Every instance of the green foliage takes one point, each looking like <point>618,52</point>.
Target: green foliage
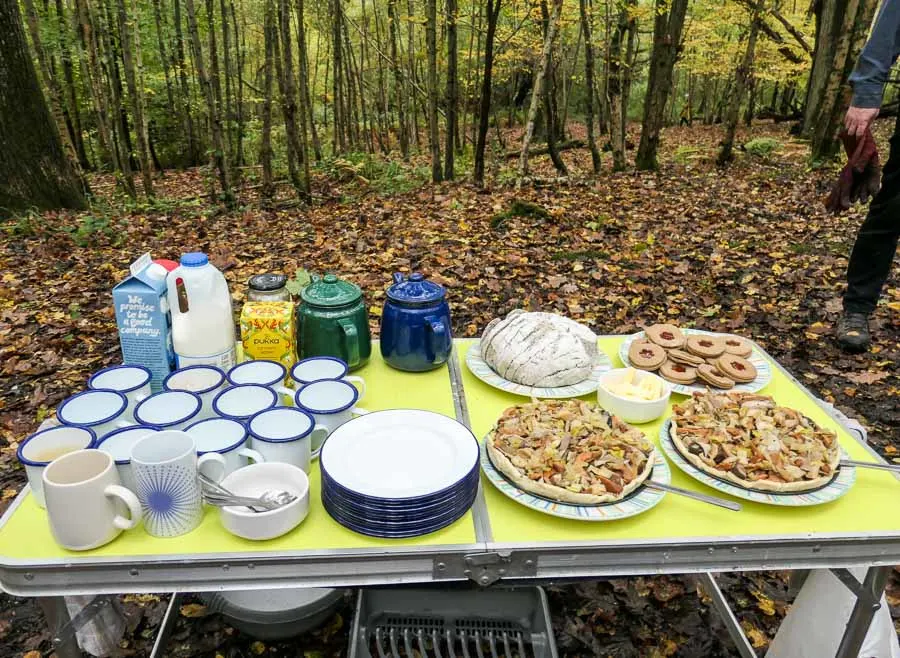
<point>89,226</point>
<point>299,282</point>
<point>519,208</point>
<point>762,147</point>
<point>24,225</point>
<point>374,173</point>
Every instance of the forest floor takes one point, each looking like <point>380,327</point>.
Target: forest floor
<point>749,250</point>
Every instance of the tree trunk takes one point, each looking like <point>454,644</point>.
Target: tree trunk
<point>121,132</point>
<point>452,90</point>
<point>71,95</point>
<point>549,94</point>
<point>667,28</point>
<point>226,62</point>
<point>432,79</point>
<point>303,146</point>
<point>829,16</point>
<point>622,40</point>
<point>742,77</point>
<point>240,55</point>
<point>339,144</point>
<point>193,148</point>
<point>538,88</point>
<point>131,55</point>
<point>836,96</point>
<point>265,145</point>
<point>589,83</point>
<point>284,62</point>
<point>411,78</point>
<point>90,67</point>
<point>163,58</point>
<point>492,10</point>
<point>34,169</point>
<point>399,87</point>
<point>215,118</point>
<point>216,81</point>
<point>304,86</point>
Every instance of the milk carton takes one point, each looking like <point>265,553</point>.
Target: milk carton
<point>267,332</point>
<point>142,315</point>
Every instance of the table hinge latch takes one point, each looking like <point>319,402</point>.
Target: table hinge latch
<point>486,568</point>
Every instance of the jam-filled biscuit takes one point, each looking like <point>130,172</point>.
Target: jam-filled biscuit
<point>686,358</point>
<point>714,377</point>
<point>738,346</point>
<point>736,367</point>
<point>705,346</point>
<point>645,355</point>
<point>678,373</point>
<point>665,335</point>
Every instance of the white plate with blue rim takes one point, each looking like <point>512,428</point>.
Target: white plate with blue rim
<point>837,487</point>
<point>763,369</point>
<point>480,368</point>
<point>638,501</point>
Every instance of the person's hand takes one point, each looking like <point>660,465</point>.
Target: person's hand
<point>858,119</point>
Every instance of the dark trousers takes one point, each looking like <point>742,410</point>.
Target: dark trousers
<point>876,242</point>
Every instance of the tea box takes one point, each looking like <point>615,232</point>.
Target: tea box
<point>267,332</point>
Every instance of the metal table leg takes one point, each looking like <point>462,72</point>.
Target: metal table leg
<point>166,626</point>
<point>708,581</point>
<point>868,601</point>
<point>62,635</point>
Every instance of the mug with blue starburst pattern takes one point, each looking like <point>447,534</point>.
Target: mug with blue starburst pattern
<point>165,467</point>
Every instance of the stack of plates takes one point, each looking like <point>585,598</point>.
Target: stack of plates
<point>399,473</point>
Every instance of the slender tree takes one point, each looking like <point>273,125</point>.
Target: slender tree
<point>399,86</point>
<point>452,100</point>
<point>492,10</point>
<point>589,83</point>
<point>34,169</point>
<point>130,40</point>
<point>742,76</point>
<point>431,46</point>
<point>667,27</point>
<point>265,143</point>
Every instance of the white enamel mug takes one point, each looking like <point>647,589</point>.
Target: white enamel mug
<point>225,437</point>
<point>284,434</point>
<point>99,411</point>
<point>169,410</point>
<point>317,368</point>
<point>165,467</point>
<point>263,372</point>
<point>243,401</point>
<point>330,403</point>
<point>38,450</point>
<point>86,502</point>
<point>119,443</point>
<point>131,381</point>
<point>203,380</point>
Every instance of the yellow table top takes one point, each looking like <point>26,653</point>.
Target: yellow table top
<point>26,535</point>
<point>868,507</point>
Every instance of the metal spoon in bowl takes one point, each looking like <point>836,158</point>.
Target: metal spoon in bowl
<point>215,494</point>
<point>712,500</point>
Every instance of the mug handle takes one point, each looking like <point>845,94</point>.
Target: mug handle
<point>437,340</point>
<point>358,380</point>
<point>351,341</point>
<point>314,452</point>
<point>285,390</point>
<point>250,453</point>
<point>131,502</point>
<point>212,457</point>
<point>359,411</point>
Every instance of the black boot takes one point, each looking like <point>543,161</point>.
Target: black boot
<point>853,332</point>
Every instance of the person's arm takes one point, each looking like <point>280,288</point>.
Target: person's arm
<point>871,72</point>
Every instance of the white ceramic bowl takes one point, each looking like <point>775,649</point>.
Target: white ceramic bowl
<point>632,411</point>
<point>253,480</point>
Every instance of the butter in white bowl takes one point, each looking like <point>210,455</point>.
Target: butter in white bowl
<point>635,396</point>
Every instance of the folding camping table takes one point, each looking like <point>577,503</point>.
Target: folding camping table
<point>498,540</point>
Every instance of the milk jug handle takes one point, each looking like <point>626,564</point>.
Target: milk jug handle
<point>351,341</point>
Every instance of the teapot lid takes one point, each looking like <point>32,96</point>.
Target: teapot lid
<point>330,291</point>
<point>415,290</point>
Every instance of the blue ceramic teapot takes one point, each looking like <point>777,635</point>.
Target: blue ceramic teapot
<point>415,324</point>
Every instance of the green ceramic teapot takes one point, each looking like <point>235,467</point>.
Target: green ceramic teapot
<point>332,321</point>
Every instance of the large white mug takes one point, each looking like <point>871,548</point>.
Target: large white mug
<point>169,410</point>
<point>331,404</point>
<point>165,467</point>
<point>100,411</point>
<point>225,437</point>
<point>263,372</point>
<point>243,401</point>
<point>119,443</point>
<point>131,381</point>
<point>203,380</point>
<point>38,450</point>
<point>284,434</point>
<point>317,368</point>
<point>86,502</point>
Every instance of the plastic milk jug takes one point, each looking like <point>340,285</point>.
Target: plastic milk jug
<point>202,320</point>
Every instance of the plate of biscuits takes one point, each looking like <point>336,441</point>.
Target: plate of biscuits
<point>694,360</point>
